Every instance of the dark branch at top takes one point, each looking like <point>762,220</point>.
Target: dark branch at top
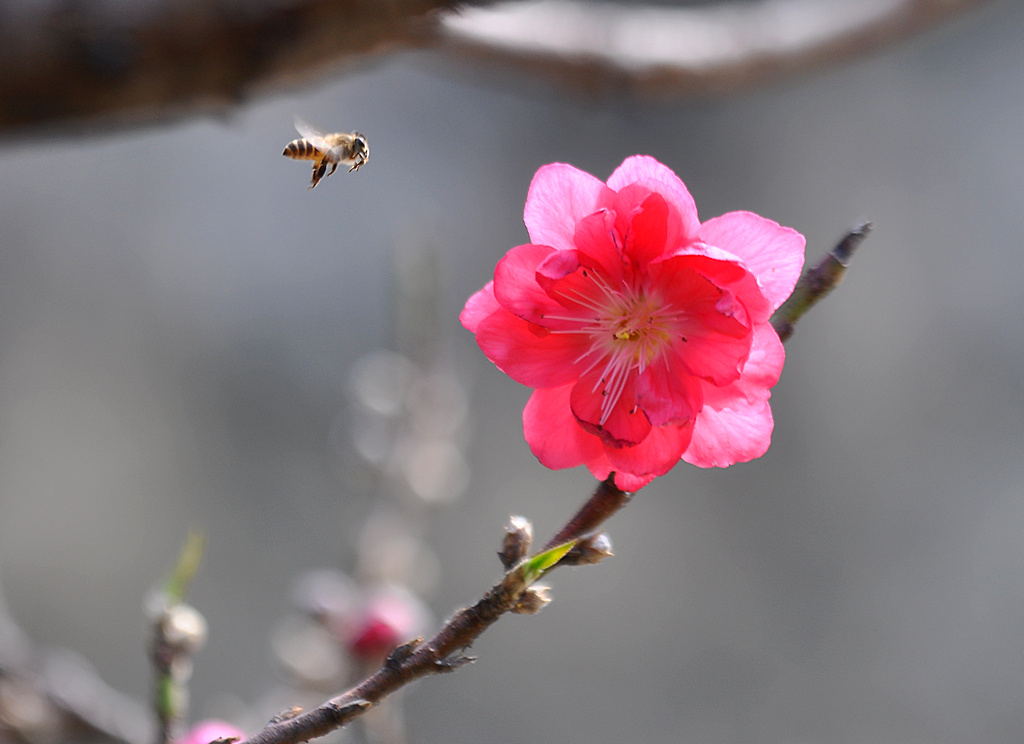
<point>96,63</point>
<point>79,63</point>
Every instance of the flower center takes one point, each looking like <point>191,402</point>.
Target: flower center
<point>628,328</point>
<point>639,328</point>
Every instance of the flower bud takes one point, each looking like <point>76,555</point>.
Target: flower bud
<point>516,544</point>
<point>183,629</point>
<point>533,600</point>
<point>589,550</point>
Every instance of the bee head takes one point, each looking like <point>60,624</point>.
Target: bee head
<point>360,150</point>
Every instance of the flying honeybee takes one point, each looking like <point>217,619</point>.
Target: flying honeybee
<point>340,148</point>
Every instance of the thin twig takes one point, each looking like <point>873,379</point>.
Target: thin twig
<point>605,502</point>
<point>818,281</point>
<point>445,651</point>
<point>411,661</point>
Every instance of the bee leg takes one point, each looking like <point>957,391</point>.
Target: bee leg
<point>318,172</point>
<point>334,167</point>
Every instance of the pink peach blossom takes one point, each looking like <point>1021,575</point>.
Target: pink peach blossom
<point>644,332</point>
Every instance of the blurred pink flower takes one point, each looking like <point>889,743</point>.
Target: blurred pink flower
<point>644,332</point>
<point>211,730</point>
<point>391,615</point>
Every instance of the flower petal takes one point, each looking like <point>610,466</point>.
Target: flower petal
<point>618,422</point>
<point>559,197</point>
<point>736,422</point>
<point>738,433</point>
<point>528,353</point>
<point>595,241</point>
<point>774,254</point>
<point>625,481</point>
<point>656,455</point>
<point>710,343</point>
<point>665,446</point>
<point>478,307</point>
<point>747,299</point>
<point>760,373</point>
<point>601,468</point>
<point>515,283</point>
<point>554,435</point>
<point>648,231</point>
<point>669,395</point>
<point>658,178</point>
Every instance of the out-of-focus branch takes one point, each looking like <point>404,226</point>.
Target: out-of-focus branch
<point>603,47</point>
<point>178,632</point>
<point>91,64</point>
<point>56,695</point>
<point>114,64</point>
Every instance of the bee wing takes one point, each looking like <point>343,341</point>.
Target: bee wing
<point>314,135</point>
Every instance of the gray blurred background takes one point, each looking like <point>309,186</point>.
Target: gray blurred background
<point>179,315</point>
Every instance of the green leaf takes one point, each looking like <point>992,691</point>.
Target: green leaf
<point>186,568</point>
<point>541,563</point>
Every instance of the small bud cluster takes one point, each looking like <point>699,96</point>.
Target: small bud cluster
<point>515,549</point>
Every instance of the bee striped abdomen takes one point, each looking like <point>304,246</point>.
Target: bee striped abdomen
<point>301,149</point>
